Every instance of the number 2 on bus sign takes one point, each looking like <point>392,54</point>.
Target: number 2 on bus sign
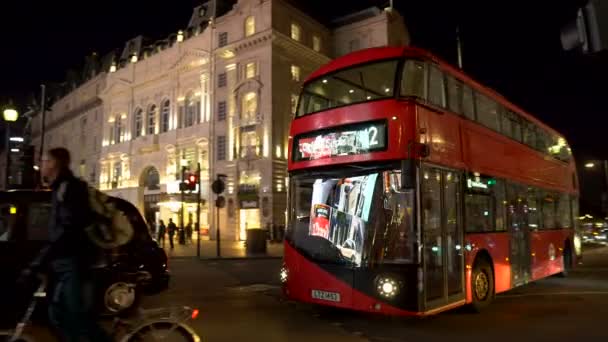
<point>373,135</point>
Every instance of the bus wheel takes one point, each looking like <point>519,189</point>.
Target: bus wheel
<point>482,285</point>
<point>567,259</point>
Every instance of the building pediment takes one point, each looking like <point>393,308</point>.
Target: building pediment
<point>190,59</point>
<point>116,85</point>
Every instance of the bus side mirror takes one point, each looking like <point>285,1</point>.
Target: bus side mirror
<point>408,174</point>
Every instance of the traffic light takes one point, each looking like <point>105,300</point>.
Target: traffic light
<point>588,32</point>
<point>191,182</point>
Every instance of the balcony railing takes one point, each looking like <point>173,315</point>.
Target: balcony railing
<point>250,119</point>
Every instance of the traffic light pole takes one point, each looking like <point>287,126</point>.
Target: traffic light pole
<point>198,211</point>
<point>181,214</point>
<point>217,231</point>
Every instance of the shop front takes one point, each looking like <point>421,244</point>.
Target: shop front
<point>250,216</point>
<point>172,207</point>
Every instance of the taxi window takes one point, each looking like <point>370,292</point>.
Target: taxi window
<point>8,217</point>
<point>38,217</point>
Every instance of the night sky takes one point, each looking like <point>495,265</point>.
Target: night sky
<point>511,46</point>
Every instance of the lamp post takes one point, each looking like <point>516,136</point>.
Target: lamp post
<point>9,115</point>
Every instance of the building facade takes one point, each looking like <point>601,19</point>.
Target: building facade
<point>75,121</point>
<point>219,94</point>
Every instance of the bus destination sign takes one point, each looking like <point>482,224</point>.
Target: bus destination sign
<point>341,141</point>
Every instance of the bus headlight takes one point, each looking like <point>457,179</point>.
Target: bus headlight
<point>284,274</point>
<point>387,287</point>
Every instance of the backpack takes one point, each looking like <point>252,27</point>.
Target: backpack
<point>110,227</point>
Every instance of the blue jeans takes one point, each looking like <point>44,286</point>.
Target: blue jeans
<point>72,308</point>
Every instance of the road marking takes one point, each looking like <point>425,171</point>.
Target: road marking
<point>256,288</point>
<point>572,293</point>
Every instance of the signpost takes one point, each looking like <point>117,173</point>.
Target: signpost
<point>198,211</point>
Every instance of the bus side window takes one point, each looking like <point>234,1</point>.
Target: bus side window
<point>487,112</point>
<point>455,95</point>
<point>529,131</point>
<point>533,209</point>
<point>436,87</point>
<point>564,220</point>
<point>468,103</point>
<point>549,213</point>
<point>479,213</point>
<point>501,205</point>
<point>413,80</point>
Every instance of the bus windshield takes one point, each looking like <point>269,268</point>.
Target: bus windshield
<point>354,220</point>
<point>367,82</point>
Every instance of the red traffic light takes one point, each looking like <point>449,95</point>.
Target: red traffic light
<point>192,179</point>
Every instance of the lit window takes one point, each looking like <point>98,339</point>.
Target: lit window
<point>316,43</point>
<point>151,120</point>
<point>249,106</point>
<point>295,32</point>
<point>223,39</point>
<point>165,116</point>
<point>138,124</point>
<point>249,26</point>
<point>295,73</point>
<point>250,70</point>
<point>294,103</point>
<point>250,144</point>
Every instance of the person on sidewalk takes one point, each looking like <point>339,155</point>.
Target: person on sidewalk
<point>189,232</point>
<point>172,228</point>
<point>162,229</point>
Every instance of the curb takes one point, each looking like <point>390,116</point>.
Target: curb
<point>183,257</point>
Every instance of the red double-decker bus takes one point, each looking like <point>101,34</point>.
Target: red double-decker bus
<point>414,189</point>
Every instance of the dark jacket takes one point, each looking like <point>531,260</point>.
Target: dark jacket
<point>68,249</point>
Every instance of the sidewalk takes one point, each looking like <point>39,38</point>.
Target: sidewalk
<point>228,249</point>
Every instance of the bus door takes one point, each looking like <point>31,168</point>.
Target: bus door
<point>442,236</point>
<point>517,223</point>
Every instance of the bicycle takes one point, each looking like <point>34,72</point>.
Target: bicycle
<point>161,324</point>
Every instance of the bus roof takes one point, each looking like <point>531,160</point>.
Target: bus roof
<point>379,53</point>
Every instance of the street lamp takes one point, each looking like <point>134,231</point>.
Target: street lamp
<point>10,115</point>
<point>590,165</point>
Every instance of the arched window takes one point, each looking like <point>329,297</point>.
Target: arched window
<point>152,179</point>
<point>249,106</point>
<point>249,26</point>
<point>151,120</point>
<point>165,116</point>
<point>138,123</point>
<point>190,110</point>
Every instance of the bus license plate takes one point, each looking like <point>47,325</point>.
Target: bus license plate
<point>325,295</point>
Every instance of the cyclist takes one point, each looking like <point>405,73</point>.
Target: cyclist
<point>68,256</point>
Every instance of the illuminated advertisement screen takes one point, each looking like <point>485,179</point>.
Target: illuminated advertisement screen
<point>341,141</point>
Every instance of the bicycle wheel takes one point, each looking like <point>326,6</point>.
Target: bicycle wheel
<point>163,331</point>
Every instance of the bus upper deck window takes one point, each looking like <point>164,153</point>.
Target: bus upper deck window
<point>413,80</point>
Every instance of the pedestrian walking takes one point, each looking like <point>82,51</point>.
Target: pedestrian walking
<point>172,229</point>
<point>162,229</point>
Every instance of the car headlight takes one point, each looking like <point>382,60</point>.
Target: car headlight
<point>387,287</point>
<point>284,274</point>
